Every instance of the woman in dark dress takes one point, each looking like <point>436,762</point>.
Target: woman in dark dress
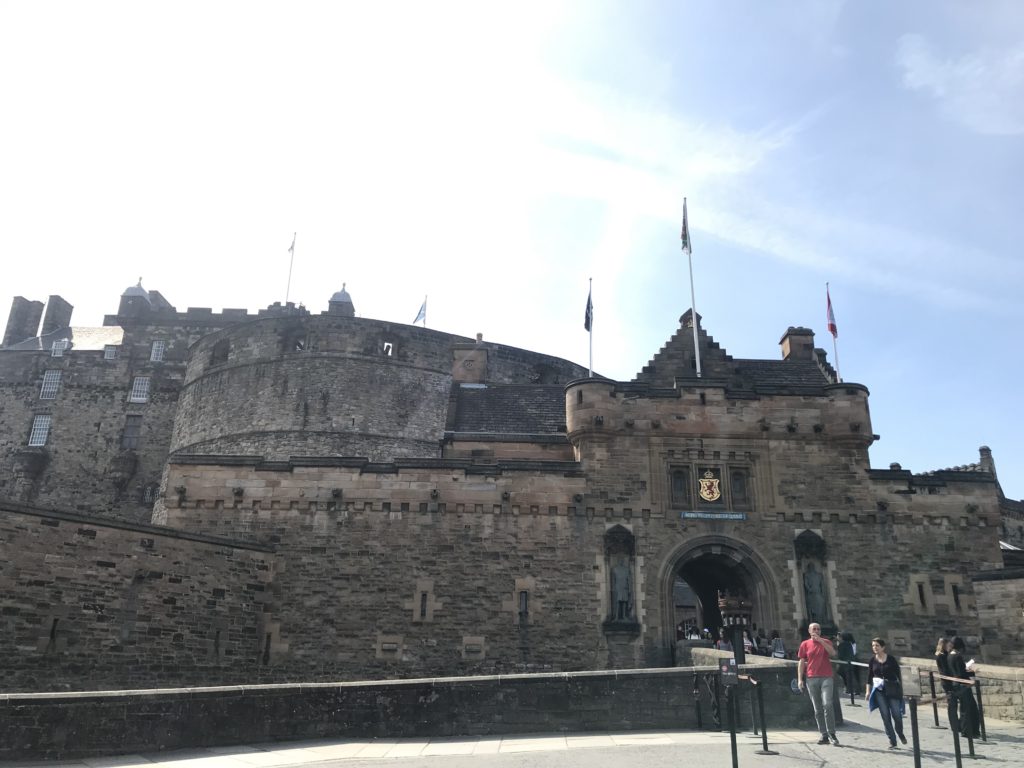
<point>884,691</point>
<point>964,692</point>
<point>942,662</point>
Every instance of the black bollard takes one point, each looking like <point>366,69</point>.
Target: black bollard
<point>935,702</point>
<point>956,746</point>
<point>764,726</point>
<point>981,709</point>
<point>730,705</point>
<point>753,719</point>
<point>849,682</point>
<point>696,701</point>
<point>716,704</point>
<point>914,735</point>
<point>970,745</point>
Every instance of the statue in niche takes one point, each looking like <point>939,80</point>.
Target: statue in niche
<point>814,594</point>
<point>622,591</point>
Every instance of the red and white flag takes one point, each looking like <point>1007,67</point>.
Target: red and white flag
<point>832,328</point>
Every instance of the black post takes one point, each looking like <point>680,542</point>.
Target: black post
<point>849,680</point>
<point>730,704</point>
<point>915,737</point>
<point>750,701</point>
<point>717,706</point>
<point>935,703</point>
<point>764,726</point>
<point>696,701</point>
<point>970,744</point>
<point>956,746</point>
<point>981,710</point>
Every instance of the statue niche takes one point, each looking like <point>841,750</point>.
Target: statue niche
<point>810,553</point>
<point>620,565</point>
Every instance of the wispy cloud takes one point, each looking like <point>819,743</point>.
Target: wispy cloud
<point>983,90</point>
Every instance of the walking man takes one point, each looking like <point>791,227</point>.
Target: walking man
<point>814,672</point>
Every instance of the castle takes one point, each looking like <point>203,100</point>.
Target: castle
<point>195,498</point>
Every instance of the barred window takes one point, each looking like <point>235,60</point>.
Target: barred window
<point>58,347</point>
<point>130,435</point>
<point>681,496</point>
<point>110,352</point>
<point>739,488</point>
<point>156,353</point>
<point>51,383</point>
<point>149,493</point>
<point>40,430</point>
<point>140,390</point>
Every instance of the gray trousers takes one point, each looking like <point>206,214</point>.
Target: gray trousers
<point>820,691</point>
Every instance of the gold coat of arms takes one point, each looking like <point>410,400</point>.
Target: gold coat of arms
<point>709,487</point>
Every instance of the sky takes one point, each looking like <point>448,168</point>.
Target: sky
<point>494,157</point>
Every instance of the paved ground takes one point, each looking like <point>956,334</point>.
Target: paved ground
<point>864,744</point>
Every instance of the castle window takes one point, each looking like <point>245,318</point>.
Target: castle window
<point>149,493</point>
<point>681,496</point>
<point>524,606</point>
<point>140,390</point>
<point>110,352</point>
<point>130,435</point>
<point>156,352</point>
<point>58,347</point>
<point>51,383</point>
<point>219,353</point>
<point>956,596</point>
<point>388,348</point>
<point>40,430</point>
<point>739,488</point>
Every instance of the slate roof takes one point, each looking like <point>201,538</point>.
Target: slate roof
<point>674,364</point>
<point>82,339</point>
<point>510,409</point>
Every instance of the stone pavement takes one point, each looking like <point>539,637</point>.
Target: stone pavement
<point>862,737</point>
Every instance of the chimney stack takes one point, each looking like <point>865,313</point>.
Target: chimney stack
<point>23,322</point>
<point>797,344</point>
<point>57,316</point>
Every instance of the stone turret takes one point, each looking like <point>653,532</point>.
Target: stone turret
<point>341,304</point>
<point>134,301</point>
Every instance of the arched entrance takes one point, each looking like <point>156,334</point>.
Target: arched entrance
<point>702,568</point>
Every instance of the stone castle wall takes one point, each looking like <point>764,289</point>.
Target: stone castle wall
<point>83,465</point>
<point>92,604</point>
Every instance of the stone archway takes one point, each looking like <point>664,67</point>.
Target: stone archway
<point>709,564</point>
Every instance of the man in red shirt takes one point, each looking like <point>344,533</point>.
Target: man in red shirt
<point>814,673</point>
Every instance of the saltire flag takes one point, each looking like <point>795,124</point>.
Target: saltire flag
<point>832,327</point>
<point>422,314</point>
<point>588,316</point>
<point>687,247</point>
<point>291,248</point>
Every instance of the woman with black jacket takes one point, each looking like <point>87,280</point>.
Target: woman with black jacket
<point>964,692</point>
<point>942,662</point>
<point>884,691</point>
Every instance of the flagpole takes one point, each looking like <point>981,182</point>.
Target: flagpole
<point>835,335</point>
<point>693,300</point>
<point>590,331</point>
<point>291,261</point>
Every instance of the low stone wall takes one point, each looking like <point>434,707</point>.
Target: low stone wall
<point>67,725</point>
<point>1002,688</point>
